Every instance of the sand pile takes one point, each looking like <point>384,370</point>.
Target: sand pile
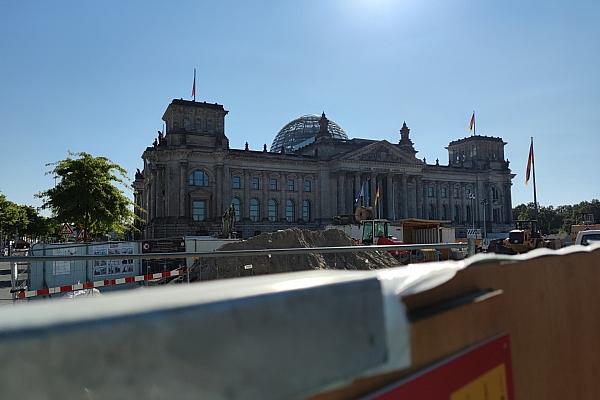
<point>230,267</point>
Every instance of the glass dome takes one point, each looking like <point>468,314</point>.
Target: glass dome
<point>303,131</point>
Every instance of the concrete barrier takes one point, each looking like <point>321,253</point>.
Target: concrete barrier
<point>328,334</point>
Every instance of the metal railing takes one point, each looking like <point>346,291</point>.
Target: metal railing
<point>238,253</point>
<point>197,255</point>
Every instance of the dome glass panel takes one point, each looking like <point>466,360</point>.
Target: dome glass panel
<point>303,131</point>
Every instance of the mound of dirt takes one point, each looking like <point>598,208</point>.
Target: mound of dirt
<point>231,267</point>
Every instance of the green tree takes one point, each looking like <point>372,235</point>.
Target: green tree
<point>548,219</point>
<point>38,226</point>
<point>87,195</point>
<point>13,217</point>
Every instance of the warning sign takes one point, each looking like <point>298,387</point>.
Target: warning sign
<point>491,385</point>
<point>480,372</point>
<point>66,230</point>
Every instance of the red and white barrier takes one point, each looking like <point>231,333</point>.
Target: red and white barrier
<point>96,284</point>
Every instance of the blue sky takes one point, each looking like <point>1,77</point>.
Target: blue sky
<point>97,76</point>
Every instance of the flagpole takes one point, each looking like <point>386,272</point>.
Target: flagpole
<point>194,86</point>
<point>474,122</point>
<point>535,204</point>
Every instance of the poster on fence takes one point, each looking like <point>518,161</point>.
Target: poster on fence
<point>113,267</point>
<point>63,267</point>
<point>162,246</point>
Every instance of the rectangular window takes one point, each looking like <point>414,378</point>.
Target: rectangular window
<point>456,193</point>
<point>255,183</point>
<point>430,191</point>
<point>254,210</point>
<point>444,194</point>
<point>199,210</point>
<point>236,182</point>
<point>307,186</point>
<point>273,184</point>
<point>290,185</point>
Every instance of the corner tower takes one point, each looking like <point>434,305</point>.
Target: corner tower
<point>197,124</point>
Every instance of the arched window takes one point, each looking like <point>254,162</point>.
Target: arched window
<point>198,178</point>
<point>290,211</point>
<point>306,210</point>
<point>237,206</point>
<point>272,210</point>
<point>254,210</point>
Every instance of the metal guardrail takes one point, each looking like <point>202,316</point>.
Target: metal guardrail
<point>240,253</point>
<point>14,260</point>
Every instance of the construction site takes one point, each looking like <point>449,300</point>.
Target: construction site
<point>303,314</point>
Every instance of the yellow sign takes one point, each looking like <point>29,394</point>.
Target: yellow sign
<point>489,386</point>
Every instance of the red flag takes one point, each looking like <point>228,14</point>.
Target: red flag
<point>472,123</point>
<point>194,86</point>
<point>530,162</point>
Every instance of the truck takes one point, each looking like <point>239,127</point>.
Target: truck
<point>587,237</point>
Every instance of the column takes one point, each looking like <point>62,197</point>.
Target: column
<point>450,192</point>
<point>182,188</point>
<point>283,195</point>
<point>438,198</point>
<point>508,206</point>
<point>464,200</point>
<point>419,196</point>
<point>349,194</point>
<point>153,193</point>
<point>298,196</point>
<point>317,196</point>
<point>245,212</point>
<point>357,187</point>
<point>372,191</point>
<point>226,187</point>
<point>340,193</point>
<point>264,206</point>
<point>218,193</point>
<point>160,198</point>
<point>389,196</point>
<point>405,211</point>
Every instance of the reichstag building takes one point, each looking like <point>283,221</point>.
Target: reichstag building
<point>312,173</point>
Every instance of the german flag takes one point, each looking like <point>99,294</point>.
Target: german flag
<point>530,163</point>
<point>376,197</point>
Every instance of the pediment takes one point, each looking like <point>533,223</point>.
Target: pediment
<point>382,151</point>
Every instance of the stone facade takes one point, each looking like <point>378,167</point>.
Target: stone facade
<point>191,176</point>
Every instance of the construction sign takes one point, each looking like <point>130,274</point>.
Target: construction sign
<point>66,230</point>
<point>473,233</point>
<point>81,236</point>
<point>480,372</point>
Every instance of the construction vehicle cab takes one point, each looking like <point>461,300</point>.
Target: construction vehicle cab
<point>376,231</point>
<point>373,230</point>
<point>523,238</point>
